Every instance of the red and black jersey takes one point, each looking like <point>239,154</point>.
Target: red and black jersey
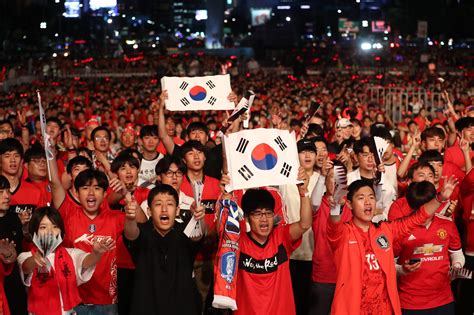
<point>26,196</point>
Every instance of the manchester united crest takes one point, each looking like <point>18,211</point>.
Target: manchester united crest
<point>442,234</point>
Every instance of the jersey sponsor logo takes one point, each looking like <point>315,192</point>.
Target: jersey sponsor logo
<point>383,242</point>
<point>442,234</point>
<point>432,258</point>
<point>263,266</point>
<point>22,208</point>
<point>92,228</point>
<point>90,238</point>
<point>428,249</point>
<point>411,237</point>
<point>228,266</point>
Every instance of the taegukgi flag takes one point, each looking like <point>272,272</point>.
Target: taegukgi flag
<point>198,93</point>
<point>261,157</point>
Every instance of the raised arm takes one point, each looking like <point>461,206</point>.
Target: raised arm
<point>99,248</point>
<point>164,137</point>
<point>131,230</point>
<point>58,192</point>
<point>306,217</point>
<point>405,164</point>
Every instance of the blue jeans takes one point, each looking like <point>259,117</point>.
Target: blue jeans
<point>96,309</point>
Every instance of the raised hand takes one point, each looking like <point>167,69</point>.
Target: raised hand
<point>303,176</point>
<point>232,97</point>
<point>131,207</point>
<point>102,245</point>
<point>448,186</point>
<point>21,114</point>
<point>464,145</point>
<point>118,186</point>
<point>68,143</point>
<point>163,98</point>
<point>327,166</point>
<point>198,211</point>
<point>7,251</point>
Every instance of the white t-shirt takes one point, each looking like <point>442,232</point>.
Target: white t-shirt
<point>147,174</point>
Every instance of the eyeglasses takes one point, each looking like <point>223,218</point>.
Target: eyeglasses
<point>175,173</point>
<point>261,214</point>
<point>101,138</point>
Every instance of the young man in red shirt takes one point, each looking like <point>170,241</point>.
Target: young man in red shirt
<point>425,286</point>
<point>35,160</point>
<point>363,251</point>
<point>433,138</point>
<point>454,154</point>
<point>264,281</point>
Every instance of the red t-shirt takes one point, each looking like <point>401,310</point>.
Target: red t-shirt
<point>324,269</point>
<point>264,281</point>
<point>161,147</point>
<point>45,189</point>
<point>26,197</point>
<point>375,298</point>
<point>466,200</point>
<point>81,231</point>
<point>430,285</point>
<point>399,209</point>
<point>455,156</point>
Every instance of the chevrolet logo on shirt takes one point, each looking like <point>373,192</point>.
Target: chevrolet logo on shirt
<point>428,249</point>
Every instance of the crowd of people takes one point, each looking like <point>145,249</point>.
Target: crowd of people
<point>95,224</point>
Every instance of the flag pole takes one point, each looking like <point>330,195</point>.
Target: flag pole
<point>47,145</point>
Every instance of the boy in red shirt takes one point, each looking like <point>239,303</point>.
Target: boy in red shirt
<point>454,154</point>
<point>263,281</point>
<point>35,159</point>
<point>363,252</point>
<point>425,286</point>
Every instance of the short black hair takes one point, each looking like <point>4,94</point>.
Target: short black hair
<point>254,199</point>
<point>11,144</point>
<point>3,122</point>
<point>123,159</point>
<point>420,193</point>
<point>4,183</point>
<point>383,133</point>
<point>133,153</point>
<point>190,145</point>
<point>86,177</point>
<point>197,125</point>
<point>36,151</point>
<point>78,160</point>
<point>38,215</point>
<point>162,189</point>
<point>363,142</point>
<point>358,184</point>
<point>419,165</point>
<point>101,128</point>
<point>164,164</point>
<point>431,156</point>
<point>149,130</point>
<point>316,130</point>
<point>319,139</point>
<point>54,120</point>
<point>432,132</point>
<point>463,123</point>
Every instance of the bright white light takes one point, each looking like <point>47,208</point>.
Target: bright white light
<point>450,42</point>
<point>339,11</point>
<point>55,55</point>
<point>201,15</point>
<point>283,7</point>
<point>430,43</point>
<point>24,36</point>
<point>305,7</point>
<point>329,34</point>
<point>124,16</point>
<point>385,38</point>
<point>130,42</point>
<point>153,45</point>
<point>133,18</point>
<point>288,19</point>
<point>377,46</point>
<point>150,22</point>
<point>365,23</point>
<point>66,54</point>
<point>225,21</point>
<point>233,19</point>
<point>385,32</point>
<point>188,30</point>
<point>249,33</point>
<point>366,46</point>
<point>442,43</point>
<point>116,33</point>
<point>56,1</point>
<point>157,38</point>
<point>43,25</point>
<point>56,35</point>
<point>135,46</point>
<point>109,21</point>
<point>357,1</point>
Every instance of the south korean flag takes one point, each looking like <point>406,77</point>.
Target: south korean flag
<point>261,157</point>
<point>197,93</point>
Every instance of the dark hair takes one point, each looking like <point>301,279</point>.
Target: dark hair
<point>54,120</point>
<point>360,144</point>
<point>382,132</point>
<point>78,160</point>
<point>162,189</point>
<point>254,199</point>
<point>86,177</point>
<point>85,150</point>
<point>36,151</point>
<point>431,156</point>
<point>197,125</point>
<point>319,139</point>
<point>11,144</point>
<point>164,164</point>
<point>149,130</point>
<point>123,159</point>
<point>463,123</point>
<point>315,129</point>
<point>356,121</point>
<point>3,122</point>
<point>4,183</point>
<point>101,128</point>
<point>38,215</point>
<point>358,184</point>
<point>132,152</point>
<point>419,165</point>
<point>190,145</point>
<point>432,132</point>
<point>420,193</point>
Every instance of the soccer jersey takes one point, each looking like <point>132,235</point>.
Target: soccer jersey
<point>467,204</point>
<point>264,281</point>
<point>455,156</point>
<point>399,209</point>
<point>428,286</point>
<point>26,197</point>
<point>45,188</point>
<point>81,232</point>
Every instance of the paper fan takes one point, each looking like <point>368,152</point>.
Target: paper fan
<point>381,146</point>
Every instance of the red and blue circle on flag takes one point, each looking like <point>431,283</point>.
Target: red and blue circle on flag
<point>197,93</point>
<point>264,157</point>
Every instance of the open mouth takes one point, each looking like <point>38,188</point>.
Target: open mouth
<point>368,210</point>
<point>164,219</point>
<point>264,227</point>
<point>91,202</point>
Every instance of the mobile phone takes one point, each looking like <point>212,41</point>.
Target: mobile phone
<point>414,261</point>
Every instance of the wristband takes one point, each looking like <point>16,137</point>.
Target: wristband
<point>440,199</point>
<point>306,194</point>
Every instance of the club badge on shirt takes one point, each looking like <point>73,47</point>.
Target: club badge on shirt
<point>383,242</point>
<point>442,234</point>
<point>228,266</point>
<point>92,228</point>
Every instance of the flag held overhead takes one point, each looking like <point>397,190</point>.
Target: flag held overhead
<point>198,93</point>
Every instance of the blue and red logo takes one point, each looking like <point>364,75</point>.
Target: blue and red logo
<point>264,157</point>
<point>197,93</point>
